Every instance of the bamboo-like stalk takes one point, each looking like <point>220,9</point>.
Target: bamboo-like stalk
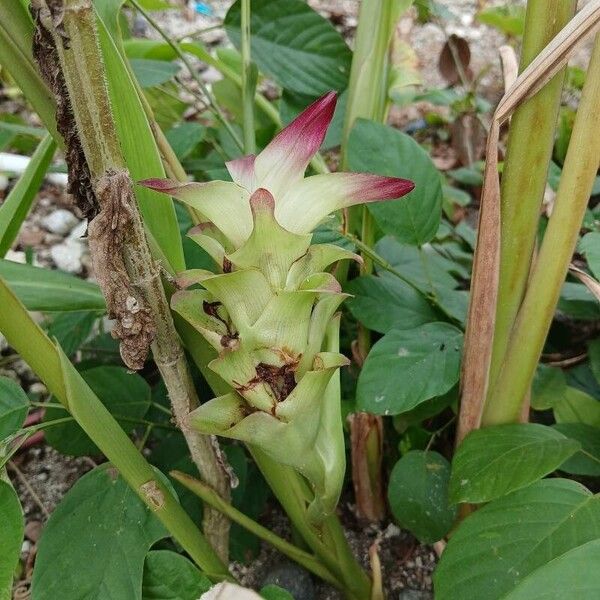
<point>367,92</point>
<point>28,339</point>
<point>530,143</point>
<point>535,315</point>
<point>83,71</point>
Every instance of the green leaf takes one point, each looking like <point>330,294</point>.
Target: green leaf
<point>11,537</point>
<point>509,20</point>
<point>126,395</point>
<point>14,405</point>
<point>170,576</point>
<point>423,267</point>
<point>294,45</point>
<point>45,290</point>
<point>383,302</point>
<point>589,246</point>
<point>407,367</point>
<point>575,406</point>
<point>15,207</point>
<point>578,302</point>
<point>150,72</point>
<point>549,386</point>
<point>377,148</point>
<point>594,354</point>
<point>184,137</point>
<point>504,542</point>
<point>572,575</point>
<point>274,592</point>
<point>72,329</point>
<point>418,495</point>
<point>494,461</point>
<point>581,463</point>
<point>137,142</point>
<point>95,542</point>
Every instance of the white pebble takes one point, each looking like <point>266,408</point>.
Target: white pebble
<point>60,221</point>
<point>67,256</point>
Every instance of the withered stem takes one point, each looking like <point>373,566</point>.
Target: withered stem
<point>122,260</point>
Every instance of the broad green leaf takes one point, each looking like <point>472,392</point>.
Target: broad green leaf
<point>14,405</point>
<point>71,329</point>
<point>153,72</point>
<point>587,460</point>
<point>589,246</point>
<point>138,145</point>
<point>15,207</point>
<point>504,542</point>
<point>11,537</point>
<point>407,367</point>
<point>126,395</point>
<point>95,542</point>
<point>274,592</point>
<point>184,137</point>
<point>572,575</point>
<point>170,576</point>
<point>418,495</point>
<point>294,45</point>
<point>494,461</point>
<point>549,386</point>
<point>377,148</point>
<point>578,302</point>
<point>45,290</point>
<point>385,302</point>
<point>575,406</point>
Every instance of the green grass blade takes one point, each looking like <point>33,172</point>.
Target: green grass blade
<point>16,207</point>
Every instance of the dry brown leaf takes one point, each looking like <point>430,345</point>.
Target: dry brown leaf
<point>454,60</point>
<point>590,283</point>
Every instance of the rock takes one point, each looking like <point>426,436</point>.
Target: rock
<point>79,231</point>
<point>409,594</point>
<point>3,182</point>
<point>67,256</point>
<point>60,221</point>
<point>3,343</point>
<point>38,388</point>
<point>16,256</point>
<point>292,578</point>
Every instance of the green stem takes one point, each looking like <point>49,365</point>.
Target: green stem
<point>530,142</point>
<point>210,497</point>
<point>248,81</point>
<point>213,104</point>
<point>26,336</point>
<point>536,313</point>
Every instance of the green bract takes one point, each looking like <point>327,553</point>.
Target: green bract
<point>271,312</point>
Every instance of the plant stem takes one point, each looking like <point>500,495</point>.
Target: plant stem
<point>83,71</point>
<point>536,313</point>
<point>248,81</point>
<point>213,104</point>
<point>27,338</point>
<point>210,497</point>
<point>530,143</point>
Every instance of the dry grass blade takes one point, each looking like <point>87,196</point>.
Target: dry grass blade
<point>590,283</point>
<point>484,286</point>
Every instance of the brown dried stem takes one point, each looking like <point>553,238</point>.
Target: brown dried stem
<point>67,51</point>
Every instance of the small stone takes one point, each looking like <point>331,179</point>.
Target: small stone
<point>79,231</point>
<point>67,256</point>
<point>292,578</point>
<point>33,530</point>
<point>60,221</point>
<point>25,548</point>
<point>3,343</point>
<point>16,256</point>
<point>38,388</point>
<point>410,594</point>
<point>31,237</point>
<point>3,182</point>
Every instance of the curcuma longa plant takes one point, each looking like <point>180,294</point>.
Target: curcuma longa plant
<point>271,312</point>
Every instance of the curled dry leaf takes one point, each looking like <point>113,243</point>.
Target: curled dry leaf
<point>454,60</point>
